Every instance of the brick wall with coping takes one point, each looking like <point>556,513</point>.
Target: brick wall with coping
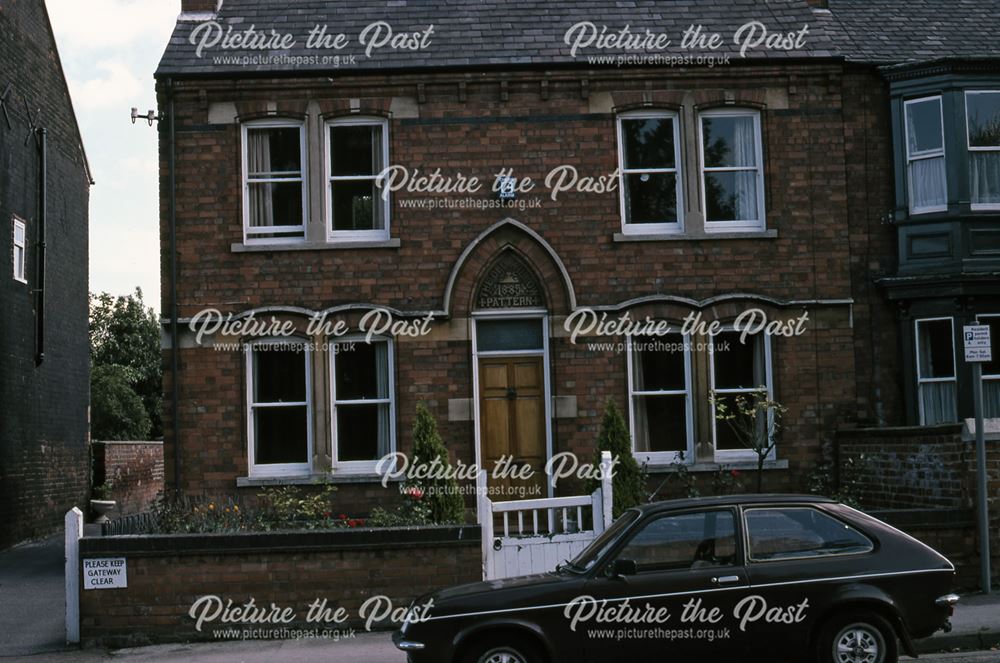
<point>166,574</point>
<point>134,470</point>
<point>922,479</point>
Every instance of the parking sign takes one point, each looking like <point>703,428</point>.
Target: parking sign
<point>977,343</point>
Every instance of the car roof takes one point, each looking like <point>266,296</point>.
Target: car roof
<point>733,500</point>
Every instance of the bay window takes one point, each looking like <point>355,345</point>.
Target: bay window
<point>925,157</point>
<point>279,407</point>
<point>274,191</point>
<point>649,168</point>
<point>936,380</point>
<point>362,391</point>
<point>358,150</point>
<point>982,112</point>
<point>660,398</point>
<point>732,170</point>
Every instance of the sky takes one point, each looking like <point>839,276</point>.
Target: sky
<point>109,51</point>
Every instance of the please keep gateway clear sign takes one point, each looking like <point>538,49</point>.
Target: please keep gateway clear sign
<point>105,573</point>
<point>977,343</point>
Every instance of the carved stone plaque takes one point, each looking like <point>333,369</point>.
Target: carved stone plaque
<point>510,284</point>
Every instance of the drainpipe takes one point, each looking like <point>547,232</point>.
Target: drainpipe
<point>42,143</point>
<point>174,331</point>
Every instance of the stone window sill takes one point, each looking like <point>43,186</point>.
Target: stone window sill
<point>239,247</point>
<point>690,237</point>
<point>741,465</point>
<point>310,479</point>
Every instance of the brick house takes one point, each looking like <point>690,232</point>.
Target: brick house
<point>757,182</point>
<point>44,347</point>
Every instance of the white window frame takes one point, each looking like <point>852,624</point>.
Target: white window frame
<point>20,264</point>
<point>676,227</point>
<point>278,469</point>
<point>728,455</point>
<point>303,179</point>
<point>978,207</point>
<point>982,319</point>
<point>739,225</point>
<point>930,154</point>
<point>328,179</point>
<point>922,380</point>
<point>662,457</point>
<point>361,467</point>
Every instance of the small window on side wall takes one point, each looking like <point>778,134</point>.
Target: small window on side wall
<point>358,151</point>
<point>982,111</point>
<point>649,162</point>
<point>936,381</point>
<point>20,252</point>
<point>925,158</point>
<point>274,192</point>
<point>279,407</point>
<point>732,170</point>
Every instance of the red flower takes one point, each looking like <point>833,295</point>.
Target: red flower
<point>734,473</point>
<point>327,514</point>
<point>343,516</point>
<point>415,492</point>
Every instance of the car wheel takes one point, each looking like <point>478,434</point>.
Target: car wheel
<point>859,637</point>
<point>503,649</point>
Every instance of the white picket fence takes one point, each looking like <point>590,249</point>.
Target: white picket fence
<point>521,537</point>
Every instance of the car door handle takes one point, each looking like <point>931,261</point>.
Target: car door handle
<point>725,580</point>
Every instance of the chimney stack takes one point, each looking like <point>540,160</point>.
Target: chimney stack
<point>200,6</point>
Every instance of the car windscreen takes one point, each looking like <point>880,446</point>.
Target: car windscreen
<point>586,559</point>
<point>796,532</point>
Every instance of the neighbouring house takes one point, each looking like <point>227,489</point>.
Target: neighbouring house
<point>708,184</point>
<point>44,348</point>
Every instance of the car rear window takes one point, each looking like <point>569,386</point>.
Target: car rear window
<point>796,532</point>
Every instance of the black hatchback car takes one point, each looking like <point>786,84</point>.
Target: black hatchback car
<point>749,578</point>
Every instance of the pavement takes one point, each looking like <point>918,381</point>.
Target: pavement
<point>32,627</point>
<point>32,598</point>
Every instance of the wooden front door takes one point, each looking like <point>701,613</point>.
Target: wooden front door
<point>512,424</point>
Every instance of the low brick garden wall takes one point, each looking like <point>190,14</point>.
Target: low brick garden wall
<point>167,574</point>
<point>922,480</point>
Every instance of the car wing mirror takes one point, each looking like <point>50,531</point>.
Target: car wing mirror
<point>623,567</point>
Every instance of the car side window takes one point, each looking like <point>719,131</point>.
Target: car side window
<point>686,541</point>
<point>797,532</point>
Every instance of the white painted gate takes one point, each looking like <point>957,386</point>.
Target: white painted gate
<point>533,536</point>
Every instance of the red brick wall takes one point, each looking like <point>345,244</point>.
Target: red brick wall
<point>166,575</point>
<point>926,478</point>
<point>909,467</point>
<point>135,470</point>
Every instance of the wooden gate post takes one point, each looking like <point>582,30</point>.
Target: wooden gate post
<point>606,488</point>
<point>484,513</point>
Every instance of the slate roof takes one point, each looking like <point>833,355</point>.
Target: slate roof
<point>487,34</point>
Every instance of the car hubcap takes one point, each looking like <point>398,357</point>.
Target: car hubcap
<point>502,655</point>
<point>858,643</point>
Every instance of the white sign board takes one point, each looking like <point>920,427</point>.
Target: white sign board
<point>977,343</point>
<point>105,573</point>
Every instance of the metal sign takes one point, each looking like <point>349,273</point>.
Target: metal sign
<point>105,573</point>
<point>977,343</point>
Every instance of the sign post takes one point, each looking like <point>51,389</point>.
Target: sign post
<point>977,351</point>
